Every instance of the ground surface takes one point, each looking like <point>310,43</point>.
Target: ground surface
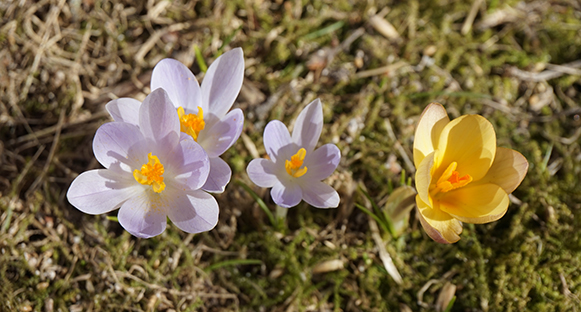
<point>375,65</point>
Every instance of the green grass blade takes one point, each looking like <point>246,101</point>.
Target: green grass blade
<point>260,202</point>
<point>450,304</point>
<point>231,263</point>
<point>323,31</point>
<point>200,59</point>
<point>374,216</point>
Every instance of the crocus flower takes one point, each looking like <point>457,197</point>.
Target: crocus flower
<point>150,174</point>
<point>462,176</point>
<point>203,111</point>
<point>295,169</point>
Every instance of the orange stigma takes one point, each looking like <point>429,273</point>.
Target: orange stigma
<point>451,180</point>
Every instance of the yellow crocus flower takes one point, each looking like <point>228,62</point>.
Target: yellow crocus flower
<point>462,176</point>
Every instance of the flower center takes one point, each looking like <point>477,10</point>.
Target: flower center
<point>293,166</point>
<point>450,180</point>
<point>151,174</point>
<point>190,123</point>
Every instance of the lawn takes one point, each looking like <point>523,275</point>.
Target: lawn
<point>375,65</point>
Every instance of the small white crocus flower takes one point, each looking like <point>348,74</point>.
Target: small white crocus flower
<point>295,168</point>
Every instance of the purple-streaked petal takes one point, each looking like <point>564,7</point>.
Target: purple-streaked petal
<point>276,139</point>
<point>189,164</point>
<point>100,191</point>
<point>287,195</point>
<point>124,110</point>
<point>219,176</point>
<point>158,119</point>
<point>262,172</point>
<point>223,134</point>
<point>308,126</point>
<point>222,82</point>
<point>320,195</point>
<point>193,211</point>
<point>322,162</point>
<point>117,144</point>
<point>179,83</point>
<point>144,216</point>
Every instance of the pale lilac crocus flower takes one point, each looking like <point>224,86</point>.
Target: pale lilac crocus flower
<point>295,169</point>
<point>151,174</point>
<point>203,111</point>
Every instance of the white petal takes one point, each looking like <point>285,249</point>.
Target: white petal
<point>322,162</point>
<point>219,177</point>
<point>194,211</point>
<point>262,172</point>
<point>223,134</point>
<point>124,110</point>
<point>179,83</point>
<point>320,195</point>
<point>188,163</point>
<point>288,195</point>
<point>308,126</point>
<point>159,120</point>
<point>144,215</point>
<point>222,82</point>
<point>100,191</point>
<point>277,141</point>
<point>119,146</point>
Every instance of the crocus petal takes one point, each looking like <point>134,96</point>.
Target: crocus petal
<point>276,140</point>
<point>475,204</point>
<point>100,191</point>
<point>223,134</point>
<point>117,144</point>
<point>430,126</point>
<point>144,216</point>
<point>308,126</point>
<point>322,162</point>
<point>320,195</point>
<point>470,141</point>
<point>508,169</point>
<point>124,110</point>
<point>424,177</point>
<point>288,195</point>
<point>219,177</point>
<point>179,83</point>
<point>159,120</point>
<point>439,225</point>
<point>262,172</point>
<point>193,211</point>
<point>189,164</point>
<point>222,82</point>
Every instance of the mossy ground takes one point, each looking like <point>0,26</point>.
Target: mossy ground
<point>61,61</point>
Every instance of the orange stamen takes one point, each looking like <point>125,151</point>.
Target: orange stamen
<point>151,174</point>
<point>190,123</point>
<point>293,166</point>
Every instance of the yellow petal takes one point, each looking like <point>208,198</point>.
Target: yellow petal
<point>427,135</point>
<point>508,169</point>
<point>439,225</point>
<point>470,141</point>
<point>424,177</point>
<point>475,204</point>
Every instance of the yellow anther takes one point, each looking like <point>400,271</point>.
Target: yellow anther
<point>450,180</point>
<point>190,123</point>
<point>151,174</point>
<point>293,166</point>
